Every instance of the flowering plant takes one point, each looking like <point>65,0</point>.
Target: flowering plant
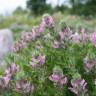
<point>31,68</point>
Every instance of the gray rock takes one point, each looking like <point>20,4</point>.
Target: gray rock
<point>6,42</point>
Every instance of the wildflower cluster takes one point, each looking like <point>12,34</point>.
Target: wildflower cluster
<point>58,77</point>
<point>51,64</point>
<point>26,37</point>
<point>79,87</point>
<point>4,81</point>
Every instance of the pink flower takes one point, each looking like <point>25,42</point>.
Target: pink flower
<point>33,62</point>
<point>66,31</point>
<point>26,36</point>
<point>93,38</point>
<point>76,38</point>
<point>43,24</point>
<point>54,77</point>
<point>4,81</point>
<point>42,27</point>
<point>62,35</point>
<point>35,32</point>
<point>13,68</point>
<point>79,87</point>
<point>7,78</point>
<point>24,87</point>
<point>48,21</point>
<point>89,64</point>
<point>56,44</point>
<point>63,81</point>
<point>37,61</point>
<point>58,78</point>
<point>41,59</point>
<point>19,45</point>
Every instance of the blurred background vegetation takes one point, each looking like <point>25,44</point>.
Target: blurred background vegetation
<point>78,7</point>
<point>74,12</point>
